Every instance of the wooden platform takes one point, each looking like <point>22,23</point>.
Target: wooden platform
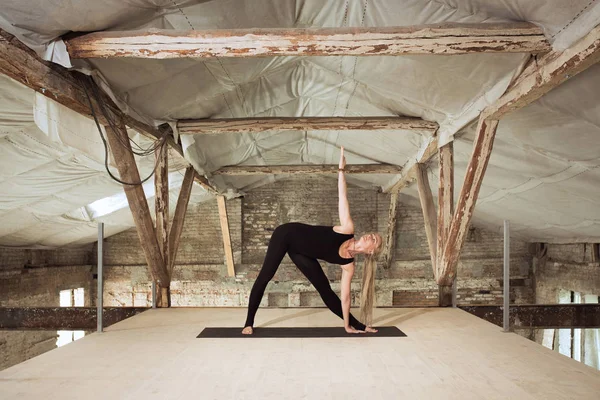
<point>155,355</point>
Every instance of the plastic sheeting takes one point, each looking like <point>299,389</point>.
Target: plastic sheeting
<point>542,174</point>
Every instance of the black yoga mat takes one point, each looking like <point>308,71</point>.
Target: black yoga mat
<point>317,332</point>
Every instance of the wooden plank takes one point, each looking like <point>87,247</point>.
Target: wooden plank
<point>121,150</point>
<point>226,237</point>
<point>542,316</point>
<point>429,215</point>
<point>390,237</point>
<point>447,38</point>
<point>410,169</point>
<point>307,169</point>
<point>161,202</point>
<point>68,88</point>
<point>254,125</point>
<point>62,318</point>
<point>552,70</point>
<point>179,217</point>
<point>482,150</point>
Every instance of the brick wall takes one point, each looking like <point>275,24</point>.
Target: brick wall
<point>36,287</point>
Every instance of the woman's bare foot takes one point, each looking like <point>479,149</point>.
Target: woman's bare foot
<point>247,330</point>
<point>370,330</point>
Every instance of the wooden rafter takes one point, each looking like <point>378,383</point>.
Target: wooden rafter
<point>390,238</point>
<point>307,169</point>
<point>121,150</point>
<point>410,169</point>
<point>448,38</point>
<point>426,198</point>
<point>179,217</point>
<point>68,88</point>
<point>226,237</point>
<point>161,202</point>
<point>253,125</point>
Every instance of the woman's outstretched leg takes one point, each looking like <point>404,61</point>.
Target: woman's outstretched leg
<point>275,253</point>
<point>313,271</point>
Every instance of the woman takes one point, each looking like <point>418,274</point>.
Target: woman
<point>335,244</point>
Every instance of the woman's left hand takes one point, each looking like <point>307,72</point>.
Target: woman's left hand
<point>368,329</point>
<point>342,159</point>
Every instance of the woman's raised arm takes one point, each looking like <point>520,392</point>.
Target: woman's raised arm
<point>347,225</point>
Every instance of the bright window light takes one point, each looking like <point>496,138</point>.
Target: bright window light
<point>70,298</point>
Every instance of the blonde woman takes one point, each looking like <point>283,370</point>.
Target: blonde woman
<point>305,244</point>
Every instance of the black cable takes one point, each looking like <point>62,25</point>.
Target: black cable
<point>113,126</point>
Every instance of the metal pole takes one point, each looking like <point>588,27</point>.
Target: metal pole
<point>99,301</point>
<point>506,275</point>
<point>153,294</point>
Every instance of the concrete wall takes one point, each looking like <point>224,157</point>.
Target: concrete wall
<point>31,278</point>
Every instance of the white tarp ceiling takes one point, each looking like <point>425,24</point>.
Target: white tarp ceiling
<point>543,174</point>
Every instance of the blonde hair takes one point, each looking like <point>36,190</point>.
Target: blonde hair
<point>367,294</point>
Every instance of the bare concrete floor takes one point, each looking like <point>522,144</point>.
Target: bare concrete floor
<point>448,354</point>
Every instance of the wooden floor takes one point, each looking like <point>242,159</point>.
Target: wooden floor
<point>448,354</point>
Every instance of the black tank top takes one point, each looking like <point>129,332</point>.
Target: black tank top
<point>316,241</point>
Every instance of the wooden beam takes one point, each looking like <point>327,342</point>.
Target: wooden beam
<point>390,238</point>
<point>448,38</point>
<point>161,202</point>
<point>541,316</point>
<point>121,150</point>
<point>541,77</point>
<point>226,237</point>
<point>254,125</point>
<point>410,169</point>
<point>426,198</point>
<point>482,150</point>
<point>62,318</point>
<point>307,169</point>
<point>68,88</point>
<point>179,217</point>
<point>445,211</point>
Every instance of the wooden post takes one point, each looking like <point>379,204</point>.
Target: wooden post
<point>426,198</point>
<point>445,211</point>
<point>226,236</point>
<point>161,207</point>
<point>390,238</point>
<point>128,171</point>
<point>179,217</point>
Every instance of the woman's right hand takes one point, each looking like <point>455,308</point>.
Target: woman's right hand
<point>342,159</point>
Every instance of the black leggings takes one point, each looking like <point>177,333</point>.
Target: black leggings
<point>310,267</point>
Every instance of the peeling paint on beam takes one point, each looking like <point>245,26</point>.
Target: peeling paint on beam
<point>254,125</point>
<point>541,316</point>
<point>58,318</point>
<point>307,169</point>
<point>446,39</point>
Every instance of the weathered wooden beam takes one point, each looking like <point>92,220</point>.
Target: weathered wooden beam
<point>482,150</point>
<point>541,77</point>
<point>161,208</point>
<point>390,238</point>
<point>121,150</point>
<point>445,211</point>
<point>179,217</point>
<point>428,207</point>
<point>541,316</point>
<point>410,169</point>
<point>254,125</point>
<point>68,88</point>
<point>62,318</point>
<point>307,169</point>
<point>226,237</point>
<point>448,38</point>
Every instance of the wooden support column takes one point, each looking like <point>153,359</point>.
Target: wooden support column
<point>426,198</point>
<point>390,238</point>
<point>161,206</point>
<point>226,237</point>
<point>445,211</point>
<point>482,150</point>
<point>128,171</point>
<point>179,217</point>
